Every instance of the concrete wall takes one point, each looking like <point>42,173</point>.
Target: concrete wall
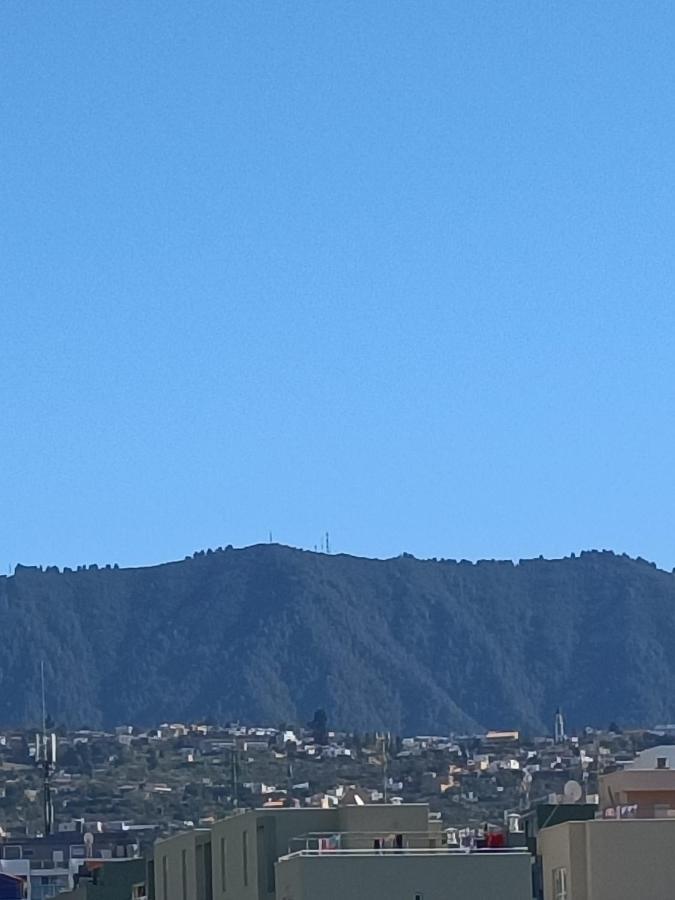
<point>181,867</point>
<point>612,860</point>
<point>233,842</point>
<point>379,820</point>
<point>405,877</point>
<point>564,847</point>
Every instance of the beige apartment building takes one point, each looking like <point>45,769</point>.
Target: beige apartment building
<point>368,852</point>
<point>605,859</point>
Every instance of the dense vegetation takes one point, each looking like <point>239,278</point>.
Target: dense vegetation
<point>269,633</point>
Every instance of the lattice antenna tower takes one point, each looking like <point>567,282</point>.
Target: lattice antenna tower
<point>45,757</point>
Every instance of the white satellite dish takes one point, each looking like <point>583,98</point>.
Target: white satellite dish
<point>572,792</point>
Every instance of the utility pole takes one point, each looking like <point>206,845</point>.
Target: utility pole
<point>385,767</point>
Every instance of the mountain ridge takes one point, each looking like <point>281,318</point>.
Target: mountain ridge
<point>269,633</point>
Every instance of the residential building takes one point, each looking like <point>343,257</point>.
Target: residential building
<point>49,864</point>
<point>247,846</point>
<point>240,851</point>
<point>544,815</point>
<point>541,816</point>
<point>604,859</point>
<point>643,789</point>
<point>374,852</point>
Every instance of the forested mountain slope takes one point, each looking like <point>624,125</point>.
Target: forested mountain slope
<point>269,633</point>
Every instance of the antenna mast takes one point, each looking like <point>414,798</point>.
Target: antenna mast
<point>234,775</point>
<point>45,755</point>
<point>44,705</point>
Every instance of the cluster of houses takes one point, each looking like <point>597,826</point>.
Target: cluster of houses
<point>128,787</point>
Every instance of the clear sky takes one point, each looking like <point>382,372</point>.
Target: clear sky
<point>401,270</point>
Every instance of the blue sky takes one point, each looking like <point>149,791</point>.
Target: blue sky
<point>398,270</point>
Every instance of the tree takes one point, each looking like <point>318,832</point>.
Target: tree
<point>319,726</point>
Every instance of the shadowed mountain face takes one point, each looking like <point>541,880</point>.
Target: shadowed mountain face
<point>268,633</point>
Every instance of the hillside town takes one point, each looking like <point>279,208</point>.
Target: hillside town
<point>79,808</point>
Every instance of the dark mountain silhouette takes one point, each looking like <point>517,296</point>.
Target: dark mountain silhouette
<point>268,633</point>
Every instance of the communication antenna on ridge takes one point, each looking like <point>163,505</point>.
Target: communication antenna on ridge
<point>327,543</point>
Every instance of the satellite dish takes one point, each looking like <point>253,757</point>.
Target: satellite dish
<point>572,792</point>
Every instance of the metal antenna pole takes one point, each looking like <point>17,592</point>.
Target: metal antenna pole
<point>48,751</point>
<point>385,770</point>
<point>44,705</point>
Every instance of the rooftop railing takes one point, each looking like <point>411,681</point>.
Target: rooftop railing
<point>411,851</point>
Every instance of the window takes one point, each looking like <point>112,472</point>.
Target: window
<point>661,762</point>
<point>165,878</point>
<point>223,864</point>
<point>244,856</point>
<point>560,884</point>
<point>419,896</point>
<point>183,866</point>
